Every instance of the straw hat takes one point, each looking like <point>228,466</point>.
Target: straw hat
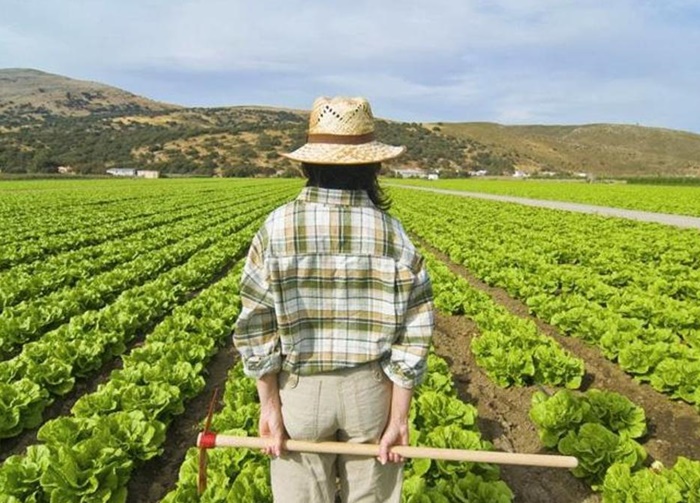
<point>341,131</point>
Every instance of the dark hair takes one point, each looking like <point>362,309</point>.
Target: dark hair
<point>348,177</point>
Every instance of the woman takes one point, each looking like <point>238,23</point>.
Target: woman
<point>337,316</point>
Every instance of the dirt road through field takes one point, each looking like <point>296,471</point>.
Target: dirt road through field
<point>644,216</point>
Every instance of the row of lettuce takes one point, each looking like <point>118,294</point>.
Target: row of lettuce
<point>511,350</point>
<point>91,455</point>
<point>81,242</point>
<point>141,233</point>
<point>144,257</point>
<point>48,367</point>
<point>66,212</point>
<point>600,428</point>
<point>630,288</point>
<point>44,245</point>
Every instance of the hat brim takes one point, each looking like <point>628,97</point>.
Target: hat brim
<point>332,153</point>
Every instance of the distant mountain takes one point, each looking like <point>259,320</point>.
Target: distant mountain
<point>49,120</point>
<point>26,92</point>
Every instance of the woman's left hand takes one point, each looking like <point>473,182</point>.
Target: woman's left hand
<point>271,424</point>
<point>272,427</point>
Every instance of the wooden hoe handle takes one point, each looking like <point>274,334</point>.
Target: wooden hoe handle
<point>209,440</point>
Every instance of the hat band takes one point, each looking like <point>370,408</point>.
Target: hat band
<point>342,139</point>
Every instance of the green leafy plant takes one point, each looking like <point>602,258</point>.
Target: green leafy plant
<point>555,416</point>
<point>681,483</point>
<point>597,427</point>
<point>511,350</point>
<point>621,485</point>
<point>597,449</point>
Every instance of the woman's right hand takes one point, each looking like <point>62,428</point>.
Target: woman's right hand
<point>395,433</point>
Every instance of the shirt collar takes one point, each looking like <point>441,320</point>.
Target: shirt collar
<point>335,197</point>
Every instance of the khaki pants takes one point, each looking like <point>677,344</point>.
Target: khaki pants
<point>350,405</point>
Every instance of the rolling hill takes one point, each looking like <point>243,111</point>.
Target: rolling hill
<point>49,120</point>
<point>32,93</point>
<point>600,149</point>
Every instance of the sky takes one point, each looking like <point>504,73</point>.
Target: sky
<point>505,61</point>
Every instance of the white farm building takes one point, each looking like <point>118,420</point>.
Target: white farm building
<point>141,173</point>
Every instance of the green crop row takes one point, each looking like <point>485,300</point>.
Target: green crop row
<point>25,281</point>
<point>49,366</point>
<point>511,350</point>
<point>601,429</point>
<point>538,257</point>
<point>44,208</point>
<point>76,218</point>
<point>28,321</point>
<point>660,199</point>
<point>91,456</point>
<point>30,250</point>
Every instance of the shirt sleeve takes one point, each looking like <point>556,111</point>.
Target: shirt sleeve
<point>407,362</point>
<point>255,335</point>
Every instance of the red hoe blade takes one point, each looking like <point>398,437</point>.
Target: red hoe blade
<point>207,440</point>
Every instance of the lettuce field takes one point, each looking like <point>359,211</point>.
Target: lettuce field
<point>556,332</point>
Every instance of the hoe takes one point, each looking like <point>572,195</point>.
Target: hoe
<point>209,439</point>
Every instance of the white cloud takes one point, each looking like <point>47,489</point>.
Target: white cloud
<point>508,60</point>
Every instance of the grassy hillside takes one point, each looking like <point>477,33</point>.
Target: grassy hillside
<point>48,121</point>
<point>27,95</point>
<point>236,141</point>
<point>600,149</point>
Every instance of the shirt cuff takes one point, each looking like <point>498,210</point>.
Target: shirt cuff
<point>258,366</point>
<point>403,375</point>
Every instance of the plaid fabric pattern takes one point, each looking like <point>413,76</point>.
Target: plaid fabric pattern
<point>332,282</point>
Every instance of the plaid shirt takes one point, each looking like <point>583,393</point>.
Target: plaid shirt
<point>332,282</point>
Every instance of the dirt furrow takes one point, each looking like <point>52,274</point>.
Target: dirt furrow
<point>153,480</point>
<point>503,419</point>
